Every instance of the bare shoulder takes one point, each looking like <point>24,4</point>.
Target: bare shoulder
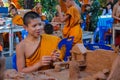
<point>116,5</point>
<point>20,47</point>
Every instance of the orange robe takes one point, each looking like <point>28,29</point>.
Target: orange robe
<point>16,3</point>
<point>72,25</point>
<point>18,20</point>
<point>86,1</point>
<point>47,45</point>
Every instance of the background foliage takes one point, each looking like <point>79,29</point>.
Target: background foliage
<point>49,5</point>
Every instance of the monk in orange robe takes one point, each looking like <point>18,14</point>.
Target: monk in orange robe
<point>43,50</point>
<point>36,52</point>
<point>72,22</point>
<point>17,19</point>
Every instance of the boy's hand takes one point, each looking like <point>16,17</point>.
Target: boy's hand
<point>46,60</point>
<point>55,55</point>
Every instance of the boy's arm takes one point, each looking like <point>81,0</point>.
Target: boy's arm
<point>21,61</point>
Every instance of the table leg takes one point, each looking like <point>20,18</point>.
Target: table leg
<point>11,41</point>
<point>113,35</point>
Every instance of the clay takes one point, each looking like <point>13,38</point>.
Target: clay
<point>115,72</point>
<point>14,75</point>
<point>99,64</point>
<point>59,65</point>
<point>74,70</point>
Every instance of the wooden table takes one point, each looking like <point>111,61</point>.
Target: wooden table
<point>11,31</point>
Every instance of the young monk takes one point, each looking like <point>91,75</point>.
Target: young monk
<point>16,18</point>
<point>72,21</point>
<point>36,52</point>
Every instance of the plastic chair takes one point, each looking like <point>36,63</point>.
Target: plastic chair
<point>96,32</point>
<point>46,21</point>
<point>4,11</point>
<point>24,34</point>
<point>103,29</point>
<point>14,65</point>
<point>68,45</point>
<point>108,39</point>
<point>83,25</point>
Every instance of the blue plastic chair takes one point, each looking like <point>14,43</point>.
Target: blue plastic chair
<point>24,34</point>
<point>4,11</point>
<point>104,24</point>
<point>68,45</point>
<point>14,65</point>
<point>46,21</point>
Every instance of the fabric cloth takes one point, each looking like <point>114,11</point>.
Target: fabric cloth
<point>46,46</point>
<point>18,20</point>
<point>16,4</point>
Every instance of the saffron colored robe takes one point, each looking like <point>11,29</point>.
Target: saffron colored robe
<point>72,25</point>
<point>16,4</point>
<point>18,20</point>
<point>48,44</point>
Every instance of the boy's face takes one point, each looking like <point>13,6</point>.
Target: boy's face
<point>35,27</point>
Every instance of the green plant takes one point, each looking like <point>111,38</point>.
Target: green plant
<point>48,7</point>
<point>21,2</point>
